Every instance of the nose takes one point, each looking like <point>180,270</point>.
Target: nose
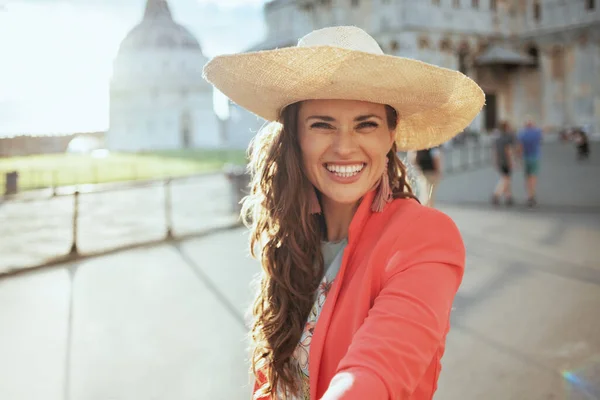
<point>344,143</point>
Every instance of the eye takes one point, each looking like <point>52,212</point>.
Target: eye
<point>367,124</point>
<point>321,125</point>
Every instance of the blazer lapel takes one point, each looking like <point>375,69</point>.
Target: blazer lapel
<point>320,333</point>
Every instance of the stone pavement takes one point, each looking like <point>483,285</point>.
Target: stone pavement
<point>168,322</point>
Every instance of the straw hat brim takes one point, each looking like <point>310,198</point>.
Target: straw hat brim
<point>433,103</point>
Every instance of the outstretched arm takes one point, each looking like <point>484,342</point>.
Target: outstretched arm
<point>409,319</point>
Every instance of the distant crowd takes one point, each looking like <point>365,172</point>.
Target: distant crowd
<point>510,149</point>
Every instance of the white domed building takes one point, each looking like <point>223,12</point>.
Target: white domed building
<point>158,99</point>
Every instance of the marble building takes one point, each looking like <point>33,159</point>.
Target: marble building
<point>158,99</point>
<point>538,58</point>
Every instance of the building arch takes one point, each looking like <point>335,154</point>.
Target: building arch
<point>446,45</point>
<point>533,51</point>
<point>424,42</point>
<point>463,54</point>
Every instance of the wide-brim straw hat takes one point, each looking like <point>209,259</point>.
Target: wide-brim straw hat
<point>344,62</point>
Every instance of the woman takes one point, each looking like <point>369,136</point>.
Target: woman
<point>358,278</point>
<point>582,143</point>
<point>429,163</point>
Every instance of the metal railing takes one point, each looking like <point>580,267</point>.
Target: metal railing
<point>35,178</point>
<point>470,155</point>
<point>49,230</point>
<point>459,158</point>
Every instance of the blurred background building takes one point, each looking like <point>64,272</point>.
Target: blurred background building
<point>158,99</point>
<point>532,58</point>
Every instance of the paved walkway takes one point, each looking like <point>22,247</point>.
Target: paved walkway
<point>564,183</point>
<point>168,322</point>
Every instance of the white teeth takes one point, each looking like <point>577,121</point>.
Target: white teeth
<point>345,171</point>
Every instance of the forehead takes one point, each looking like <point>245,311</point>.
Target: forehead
<point>341,108</point>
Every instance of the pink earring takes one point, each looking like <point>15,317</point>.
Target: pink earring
<point>384,192</point>
<point>313,201</point>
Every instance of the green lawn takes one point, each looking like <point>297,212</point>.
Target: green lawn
<point>49,170</point>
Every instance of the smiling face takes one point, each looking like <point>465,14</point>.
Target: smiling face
<point>344,144</point>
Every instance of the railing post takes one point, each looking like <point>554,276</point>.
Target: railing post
<point>471,157</point>
<point>484,153</point>
<point>168,209</point>
<point>54,182</point>
<point>74,249</point>
<point>484,150</point>
<point>444,159</point>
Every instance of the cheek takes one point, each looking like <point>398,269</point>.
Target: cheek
<point>312,151</point>
<point>309,155</point>
<point>377,151</point>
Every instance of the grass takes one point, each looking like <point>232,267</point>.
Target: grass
<point>48,170</point>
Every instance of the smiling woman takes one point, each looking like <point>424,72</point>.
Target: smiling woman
<point>358,277</point>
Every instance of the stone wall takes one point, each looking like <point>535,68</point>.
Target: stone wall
<point>25,145</point>
<point>564,89</point>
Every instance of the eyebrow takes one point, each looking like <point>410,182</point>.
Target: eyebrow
<point>365,117</point>
<point>360,118</point>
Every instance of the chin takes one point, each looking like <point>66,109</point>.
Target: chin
<point>344,197</point>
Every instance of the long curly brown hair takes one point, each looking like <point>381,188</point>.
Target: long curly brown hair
<point>286,239</point>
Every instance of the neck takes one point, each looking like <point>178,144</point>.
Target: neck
<point>337,219</point>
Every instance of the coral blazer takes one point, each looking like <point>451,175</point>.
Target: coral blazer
<point>382,330</point>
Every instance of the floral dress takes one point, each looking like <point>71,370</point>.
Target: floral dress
<point>332,255</point>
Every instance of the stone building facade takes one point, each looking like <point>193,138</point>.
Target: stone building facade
<point>538,58</point>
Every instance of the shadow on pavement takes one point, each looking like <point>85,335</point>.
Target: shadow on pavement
<point>214,289</point>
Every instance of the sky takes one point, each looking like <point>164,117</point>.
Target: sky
<point>56,55</point>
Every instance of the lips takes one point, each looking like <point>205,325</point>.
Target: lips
<point>345,170</point>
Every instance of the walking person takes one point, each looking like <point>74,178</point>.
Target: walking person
<point>530,143</point>
<point>358,278</point>
<point>582,144</point>
<point>429,163</point>
<point>503,154</point>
